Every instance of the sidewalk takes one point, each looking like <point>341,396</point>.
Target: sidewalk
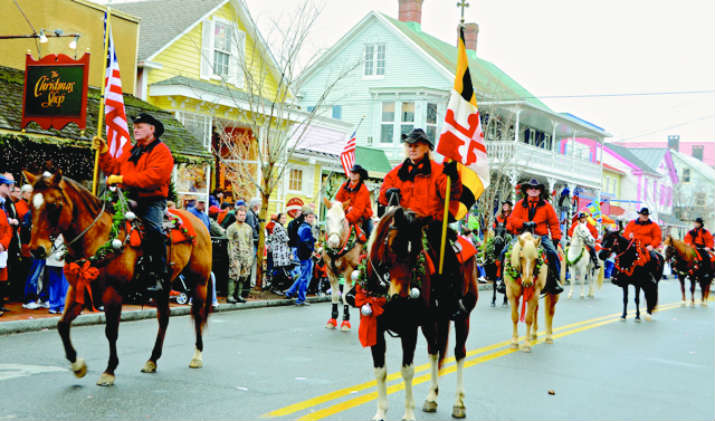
<point>19,319</point>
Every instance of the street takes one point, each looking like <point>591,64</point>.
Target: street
<point>281,363</point>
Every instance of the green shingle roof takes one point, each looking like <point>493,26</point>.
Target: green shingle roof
<point>184,146</point>
<point>490,81</point>
<point>629,155</point>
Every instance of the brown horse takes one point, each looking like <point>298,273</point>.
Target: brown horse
<point>411,299</point>
<point>341,257</point>
<point>62,206</point>
<point>527,286</point>
<point>684,259</point>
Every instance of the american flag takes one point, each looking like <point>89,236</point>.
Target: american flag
<point>115,117</point>
<point>347,157</point>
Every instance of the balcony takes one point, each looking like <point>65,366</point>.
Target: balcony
<point>532,160</point>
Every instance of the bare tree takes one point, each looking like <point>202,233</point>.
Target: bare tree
<point>254,149</point>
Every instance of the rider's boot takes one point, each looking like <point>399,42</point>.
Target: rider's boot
<point>594,258</point>
<point>552,284</point>
<point>156,253</point>
<point>501,286</point>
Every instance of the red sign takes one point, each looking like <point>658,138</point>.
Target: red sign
<point>55,91</point>
<point>293,206</point>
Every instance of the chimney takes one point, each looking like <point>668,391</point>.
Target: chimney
<point>471,32</point>
<point>410,11</point>
<point>674,142</point>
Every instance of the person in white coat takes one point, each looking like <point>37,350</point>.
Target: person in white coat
<point>57,281</point>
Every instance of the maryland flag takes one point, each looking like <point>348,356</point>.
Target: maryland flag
<point>462,139</point>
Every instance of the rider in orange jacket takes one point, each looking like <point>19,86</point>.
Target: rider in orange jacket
<point>419,184</point>
<point>145,172</point>
<point>700,238</point>
<point>502,217</point>
<point>355,197</point>
<point>645,231</point>
<point>583,218</point>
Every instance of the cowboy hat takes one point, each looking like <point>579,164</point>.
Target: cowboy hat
<point>699,220</point>
<point>357,168</point>
<point>417,135</point>
<point>644,211</point>
<point>149,119</point>
<point>532,184</point>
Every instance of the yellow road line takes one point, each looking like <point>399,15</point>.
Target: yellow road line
<point>448,367</point>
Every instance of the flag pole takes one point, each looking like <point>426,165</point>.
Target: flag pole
<point>445,219</point>
<point>100,116</point>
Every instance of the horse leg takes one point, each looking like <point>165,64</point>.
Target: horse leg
<point>535,325</point>
<point>572,282</point>
<point>529,321</point>
<point>514,303</point>
<point>637,300</point>
<point>409,342</point>
<point>681,279</point>
<point>72,310</point>
<point>334,298</point>
<point>583,274</point>
<point>461,331</point>
<point>494,294</point>
<point>345,325</point>
<point>692,291</point>
<point>112,310</point>
<point>549,311</point>
<point>625,301</point>
<point>430,334</point>
<point>200,311</point>
<point>378,361</point>
<point>162,315</point>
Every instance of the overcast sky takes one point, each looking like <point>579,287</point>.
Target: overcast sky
<point>567,47</point>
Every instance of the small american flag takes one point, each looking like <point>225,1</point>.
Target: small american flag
<point>114,114</point>
<point>347,157</point>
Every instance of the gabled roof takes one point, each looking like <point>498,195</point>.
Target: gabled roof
<point>651,156</point>
<point>164,20</point>
<point>627,154</point>
<point>699,166</point>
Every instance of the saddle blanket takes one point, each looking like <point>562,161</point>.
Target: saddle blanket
<point>176,223</point>
<point>463,248</point>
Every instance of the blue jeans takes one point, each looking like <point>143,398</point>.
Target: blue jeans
<point>33,277</point>
<point>301,284</point>
<point>58,287</point>
<point>152,214</point>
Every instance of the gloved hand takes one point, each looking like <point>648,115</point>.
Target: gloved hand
<point>99,144</point>
<point>394,191</point>
<point>115,179</point>
<point>450,170</point>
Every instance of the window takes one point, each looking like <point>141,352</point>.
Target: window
<point>374,60</point>
<point>407,117</point>
<point>698,152</point>
<point>222,48</point>
<point>338,111</point>
<point>198,125</point>
<point>388,122</point>
<point>295,180</point>
<point>431,122</point>
<point>310,108</point>
<point>686,175</point>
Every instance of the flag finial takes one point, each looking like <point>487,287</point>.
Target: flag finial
<point>462,4</point>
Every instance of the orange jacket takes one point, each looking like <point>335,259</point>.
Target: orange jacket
<point>423,193</point>
<point>699,238</point>
<point>149,176</point>
<point>591,228</point>
<point>647,232</point>
<point>358,201</point>
<point>22,208</point>
<point>5,238</point>
<point>545,219</point>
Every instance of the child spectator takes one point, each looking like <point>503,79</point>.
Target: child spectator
<point>240,255</point>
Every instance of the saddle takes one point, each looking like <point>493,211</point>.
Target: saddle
<point>177,229</point>
<point>463,248</point>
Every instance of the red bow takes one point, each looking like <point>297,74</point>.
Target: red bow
<point>368,324</point>
<point>80,278</point>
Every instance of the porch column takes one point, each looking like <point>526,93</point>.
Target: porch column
<point>552,182</point>
<point>513,179</point>
<point>516,126</point>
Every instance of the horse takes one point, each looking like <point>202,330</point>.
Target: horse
<point>60,205</point>
<point>633,266</point>
<point>684,259</point>
<point>525,276</point>
<point>492,266</point>
<point>578,258</point>
<point>401,295</point>
<point>342,253</point>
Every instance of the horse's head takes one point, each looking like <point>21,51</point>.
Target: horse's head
<point>394,248</point>
<point>335,223</point>
<point>611,243</point>
<point>52,211</point>
<point>670,251</point>
<point>525,254</point>
<point>582,233</point>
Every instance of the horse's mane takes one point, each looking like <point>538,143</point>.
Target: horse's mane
<point>90,201</point>
<point>515,251</point>
<point>681,248</point>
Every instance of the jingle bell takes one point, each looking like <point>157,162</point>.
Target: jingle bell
<point>116,244</point>
<point>130,216</point>
<point>366,310</point>
<point>415,293</point>
<point>355,275</point>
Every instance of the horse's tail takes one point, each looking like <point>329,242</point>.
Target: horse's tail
<point>209,294</point>
<point>599,279</point>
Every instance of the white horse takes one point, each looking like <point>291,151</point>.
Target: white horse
<point>578,259</point>
<point>341,256</point>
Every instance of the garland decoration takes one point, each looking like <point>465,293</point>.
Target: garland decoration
<point>569,262</point>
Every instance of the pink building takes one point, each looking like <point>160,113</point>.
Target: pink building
<point>703,150</point>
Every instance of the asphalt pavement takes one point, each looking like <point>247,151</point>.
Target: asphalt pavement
<point>281,363</point>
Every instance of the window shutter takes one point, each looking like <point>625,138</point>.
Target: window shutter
<point>237,60</point>
<point>308,181</point>
<point>207,50</point>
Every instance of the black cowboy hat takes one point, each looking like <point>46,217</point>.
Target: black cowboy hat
<point>507,202</point>
<point>582,215</point>
<point>644,211</point>
<point>699,220</point>
<point>533,183</point>
<point>149,119</point>
<point>357,168</point>
<point>418,135</point>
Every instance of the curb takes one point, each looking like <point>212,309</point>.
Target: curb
<point>20,326</point>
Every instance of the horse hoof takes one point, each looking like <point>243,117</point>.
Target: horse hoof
<point>332,324</point>
<point>106,379</point>
<point>534,337</point>
<point>692,304</point>
<point>549,340</point>
<point>525,348</point>
<point>79,368</point>
<point>638,319</point>
<point>149,367</point>
<point>345,326</point>
<point>492,305</point>
<point>196,363</point>
<point>408,418</point>
<point>704,304</point>
<point>648,318</point>
<point>429,406</point>
<point>514,345</point>
<point>459,411</point>
<point>683,303</point>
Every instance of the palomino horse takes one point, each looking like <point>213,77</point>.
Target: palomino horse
<point>341,254</point>
<point>578,259</point>
<point>62,206</point>
<point>525,278</point>
<point>399,288</point>
<point>633,266</point>
<point>687,264</point>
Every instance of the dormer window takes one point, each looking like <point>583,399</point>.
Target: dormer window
<point>222,51</point>
<point>374,60</point>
